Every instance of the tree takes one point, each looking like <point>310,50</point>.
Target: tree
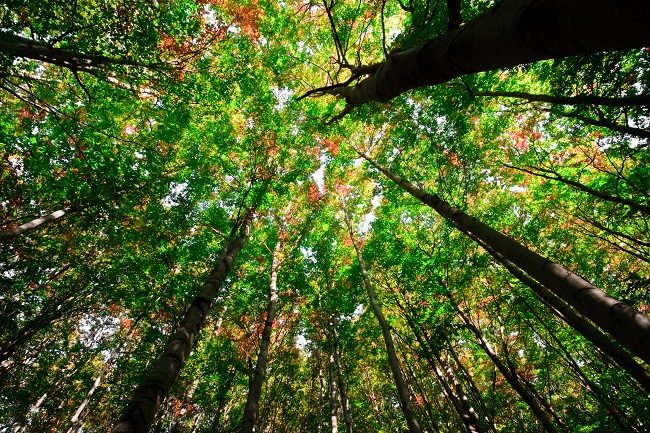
<point>509,34</point>
<point>143,406</point>
<point>157,126</point>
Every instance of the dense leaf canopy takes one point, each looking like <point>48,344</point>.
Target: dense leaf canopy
<point>148,130</point>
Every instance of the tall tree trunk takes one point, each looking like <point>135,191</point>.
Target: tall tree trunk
<point>255,388</point>
<point>512,379</point>
<point>628,326</point>
<point>405,400</point>
<point>334,399</point>
<point>622,101</point>
<point>76,422</point>
<point>443,372</point>
<point>554,175</point>
<point>146,400</point>
<point>18,46</point>
<point>510,33</point>
<point>476,394</point>
<point>10,234</point>
<point>560,309</point>
<point>345,404</point>
<point>559,346</point>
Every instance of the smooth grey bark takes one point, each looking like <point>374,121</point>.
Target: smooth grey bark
<point>510,33</point>
<point>144,404</point>
<point>8,235</point>
<point>402,391</point>
<point>251,409</point>
<point>628,326</point>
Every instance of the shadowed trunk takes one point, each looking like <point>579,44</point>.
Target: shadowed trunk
<point>512,379</point>
<point>255,389</point>
<point>628,326</point>
<point>510,33</point>
<point>142,408</point>
<point>402,391</point>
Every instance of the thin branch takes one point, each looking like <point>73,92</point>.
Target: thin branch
<point>335,35</point>
<point>554,175</point>
<point>383,29</point>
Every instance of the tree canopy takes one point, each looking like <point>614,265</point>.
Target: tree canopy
<point>297,216</point>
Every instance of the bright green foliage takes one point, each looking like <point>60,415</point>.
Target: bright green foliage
<point>155,154</point>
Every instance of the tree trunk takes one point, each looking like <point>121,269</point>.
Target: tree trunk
<point>512,379</point>
<point>554,175</point>
<point>510,33</point>
<point>405,401</point>
<point>476,394</point>
<point>18,46</point>
<point>345,404</point>
<point>255,388</point>
<point>576,321</point>
<point>623,101</point>
<point>142,408</point>
<point>445,374</point>
<point>559,346</point>
<point>628,326</point>
<point>334,399</point>
<point>8,235</point>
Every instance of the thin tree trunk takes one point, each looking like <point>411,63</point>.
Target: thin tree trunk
<point>8,235</point>
<point>76,422</point>
<point>18,46</point>
<point>405,401</point>
<point>255,388</point>
<point>512,379</point>
<point>472,386</point>
<point>463,408</point>
<point>334,399</point>
<point>624,129</point>
<point>510,33</point>
<point>142,408</point>
<point>627,325</point>
<point>413,378</point>
<point>614,411</point>
<point>554,175</point>
<point>345,404</point>
<point>623,101</point>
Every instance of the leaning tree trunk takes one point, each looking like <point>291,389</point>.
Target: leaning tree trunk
<point>510,375</point>
<point>255,389</point>
<point>146,400</point>
<point>628,326</point>
<point>510,33</point>
<point>17,46</point>
<point>8,235</point>
<point>402,391</point>
<point>575,320</point>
